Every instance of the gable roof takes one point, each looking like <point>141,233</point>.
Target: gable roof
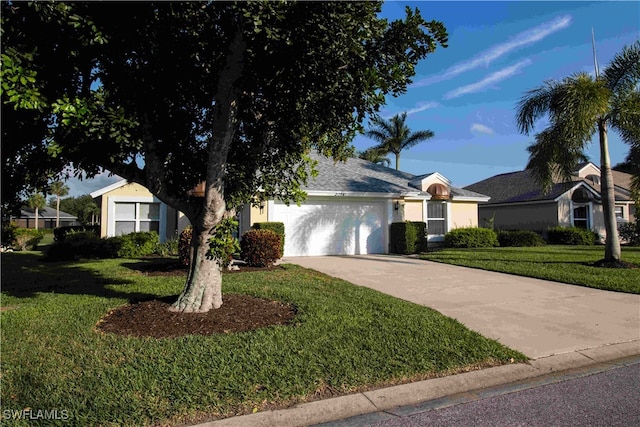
<point>362,176</point>
<point>521,186</point>
<point>108,188</point>
<point>358,176</point>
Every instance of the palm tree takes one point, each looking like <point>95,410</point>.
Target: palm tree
<point>394,135</point>
<point>376,156</point>
<point>577,107</point>
<point>36,202</point>
<point>58,189</point>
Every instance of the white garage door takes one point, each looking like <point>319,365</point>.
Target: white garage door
<point>320,227</point>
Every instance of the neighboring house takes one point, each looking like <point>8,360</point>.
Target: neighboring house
<point>348,209</point>
<point>518,203</point>
<point>46,218</point>
<point>129,207</point>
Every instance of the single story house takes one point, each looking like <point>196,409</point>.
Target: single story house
<point>518,202</point>
<point>348,209</point>
<point>46,218</point>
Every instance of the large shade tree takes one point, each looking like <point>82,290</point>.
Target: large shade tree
<point>233,94</point>
<point>394,135</point>
<point>577,108</point>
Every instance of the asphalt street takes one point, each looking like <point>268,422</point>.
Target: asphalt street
<point>608,398</point>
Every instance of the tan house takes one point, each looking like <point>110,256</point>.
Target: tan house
<point>518,203</point>
<point>129,207</point>
<point>348,210</point>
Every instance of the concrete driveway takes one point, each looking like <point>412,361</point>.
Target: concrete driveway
<point>536,317</point>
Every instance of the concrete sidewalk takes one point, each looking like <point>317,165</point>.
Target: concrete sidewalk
<point>561,327</point>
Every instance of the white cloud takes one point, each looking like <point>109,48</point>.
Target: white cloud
<point>479,128</point>
<point>421,106</point>
<point>491,79</point>
<point>485,58</point>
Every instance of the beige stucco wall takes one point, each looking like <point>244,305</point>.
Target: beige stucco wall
<point>589,170</point>
<point>413,210</point>
<point>173,223</point>
<point>536,217</point>
<point>464,214</point>
<point>256,216</point>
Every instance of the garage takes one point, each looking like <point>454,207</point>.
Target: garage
<point>332,227</point>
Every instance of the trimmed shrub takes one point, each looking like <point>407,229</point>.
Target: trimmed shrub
<point>571,236</point>
<point>83,244</point>
<point>408,237</point>
<point>520,238</point>
<point>260,248</point>
<point>629,233</point>
<point>9,230</point>
<point>184,245</point>
<point>60,233</point>
<point>471,237</point>
<point>27,239</point>
<point>168,248</point>
<point>276,227</point>
<point>133,245</point>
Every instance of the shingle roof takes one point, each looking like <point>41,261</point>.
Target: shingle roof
<point>45,212</point>
<point>521,186</point>
<point>359,175</point>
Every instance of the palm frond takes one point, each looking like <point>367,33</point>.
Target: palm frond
<point>551,161</point>
<point>623,72</point>
<point>533,105</point>
<point>625,116</point>
<point>417,137</point>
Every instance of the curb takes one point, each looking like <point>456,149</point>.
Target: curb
<point>353,405</point>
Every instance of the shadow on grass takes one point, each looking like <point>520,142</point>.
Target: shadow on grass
<point>25,274</point>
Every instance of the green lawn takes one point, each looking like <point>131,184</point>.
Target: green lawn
<point>567,264</point>
<point>345,338</point>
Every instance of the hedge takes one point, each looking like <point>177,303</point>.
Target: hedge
<point>276,227</point>
<point>408,237</point>
<point>520,238</point>
<point>571,236</point>
<point>471,237</point>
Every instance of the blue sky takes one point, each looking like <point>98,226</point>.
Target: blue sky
<point>467,93</point>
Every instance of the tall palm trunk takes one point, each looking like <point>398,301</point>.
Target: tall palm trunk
<point>57,211</point>
<point>612,251</point>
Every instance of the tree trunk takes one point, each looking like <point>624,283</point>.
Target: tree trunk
<point>57,211</point>
<point>612,250</point>
<point>397,161</point>
<point>36,208</point>
<point>203,290</point>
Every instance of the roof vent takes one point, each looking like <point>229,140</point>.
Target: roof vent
<point>438,192</point>
<point>581,195</point>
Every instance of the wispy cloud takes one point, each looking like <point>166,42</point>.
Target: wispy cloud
<point>485,58</point>
<point>479,128</point>
<point>488,81</point>
<point>421,106</point>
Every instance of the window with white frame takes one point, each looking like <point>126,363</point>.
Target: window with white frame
<point>136,216</point>
<point>619,212</point>
<point>581,216</point>
<point>436,217</point>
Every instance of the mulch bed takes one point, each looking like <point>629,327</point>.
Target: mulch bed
<point>239,313</point>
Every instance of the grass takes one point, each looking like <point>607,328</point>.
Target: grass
<point>344,339</point>
<point>567,264</point>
